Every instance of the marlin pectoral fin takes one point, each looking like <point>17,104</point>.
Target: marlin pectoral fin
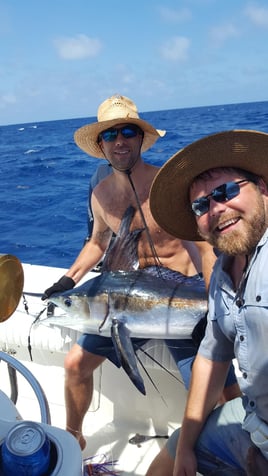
<point>125,353</point>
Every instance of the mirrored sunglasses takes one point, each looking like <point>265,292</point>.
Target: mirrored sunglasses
<point>128,132</point>
<point>221,194</point>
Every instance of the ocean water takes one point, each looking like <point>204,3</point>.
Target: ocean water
<point>45,176</point>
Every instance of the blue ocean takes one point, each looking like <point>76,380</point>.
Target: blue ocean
<point>45,176</point>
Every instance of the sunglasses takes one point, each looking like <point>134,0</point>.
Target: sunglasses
<point>128,132</point>
<point>221,194</point>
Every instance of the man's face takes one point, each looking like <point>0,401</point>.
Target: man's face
<point>234,226</point>
<point>123,148</point>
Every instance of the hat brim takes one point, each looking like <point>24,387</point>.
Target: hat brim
<point>169,195</point>
<point>87,136</point>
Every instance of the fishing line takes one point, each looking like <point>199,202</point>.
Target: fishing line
<point>155,255</point>
<point>29,335</point>
<point>151,380</point>
<point>36,319</point>
<point>159,364</point>
<point>25,303</point>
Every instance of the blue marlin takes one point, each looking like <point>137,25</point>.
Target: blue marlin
<point>125,302</point>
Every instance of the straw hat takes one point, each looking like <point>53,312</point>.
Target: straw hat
<point>169,196</point>
<point>114,110</point>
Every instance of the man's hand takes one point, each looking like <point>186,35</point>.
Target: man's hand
<point>63,284</point>
<point>185,464</point>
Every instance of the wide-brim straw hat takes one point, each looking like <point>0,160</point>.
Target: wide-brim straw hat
<point>114,110</point>
<point>169,195</point>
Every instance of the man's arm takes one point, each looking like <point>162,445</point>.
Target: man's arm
<point>102,171</point>
<point>203,257</point>
<point>94,249</point>
<point>207,383</point>
<point>90,255</point>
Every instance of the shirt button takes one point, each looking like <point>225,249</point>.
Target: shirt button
<point>241,338</point>
<point>258,298</point>
<point>239,302</point>
<point>245,375</point>
<point>252,403</point>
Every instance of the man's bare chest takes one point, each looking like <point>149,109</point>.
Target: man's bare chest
<point>141,218</point>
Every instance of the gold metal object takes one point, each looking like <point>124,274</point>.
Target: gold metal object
<point>11,285</point>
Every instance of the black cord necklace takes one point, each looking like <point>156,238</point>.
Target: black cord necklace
<point>154,253</point>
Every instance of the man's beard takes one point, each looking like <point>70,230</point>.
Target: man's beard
<point>237,242</point>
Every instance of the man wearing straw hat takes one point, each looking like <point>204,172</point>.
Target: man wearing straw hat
<point>217,187</point>
<point>120,136</point>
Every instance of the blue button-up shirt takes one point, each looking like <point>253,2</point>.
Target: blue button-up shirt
<point>238,325</point>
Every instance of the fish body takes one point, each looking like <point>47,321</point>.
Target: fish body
<point>148,306</point>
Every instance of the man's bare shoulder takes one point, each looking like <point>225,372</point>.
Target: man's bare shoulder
<point>152,169</point>
<point>104,183</point>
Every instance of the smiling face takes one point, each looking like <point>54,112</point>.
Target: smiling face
<point>122,152</point>
<point>235,226</point>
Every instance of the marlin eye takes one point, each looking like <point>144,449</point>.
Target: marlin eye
<point>68,302</point>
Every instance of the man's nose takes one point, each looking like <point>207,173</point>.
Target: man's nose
<point>216,207</point>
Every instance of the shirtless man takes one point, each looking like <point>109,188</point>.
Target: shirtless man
<point>120,136</point>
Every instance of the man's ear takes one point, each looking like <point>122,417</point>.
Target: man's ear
<point>263,187</point>
<point>101,148</point>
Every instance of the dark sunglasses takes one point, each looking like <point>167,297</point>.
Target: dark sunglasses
<point>220,194</point>
<point>128,132</point>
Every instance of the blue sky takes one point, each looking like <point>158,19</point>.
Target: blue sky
<point>61,58</point>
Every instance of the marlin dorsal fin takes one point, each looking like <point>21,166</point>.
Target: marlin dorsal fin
<point>122,254</point>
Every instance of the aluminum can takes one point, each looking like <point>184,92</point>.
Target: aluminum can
<point>26,450</point>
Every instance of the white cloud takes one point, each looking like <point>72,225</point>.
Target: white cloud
<point>175,16</point>
<point>123,74</point>
<point>78,47</point>
<point>222,33</point>
<point>128,78</point>
<point>258,15</point>
<point>176,49</point>
<point>7,99</point>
